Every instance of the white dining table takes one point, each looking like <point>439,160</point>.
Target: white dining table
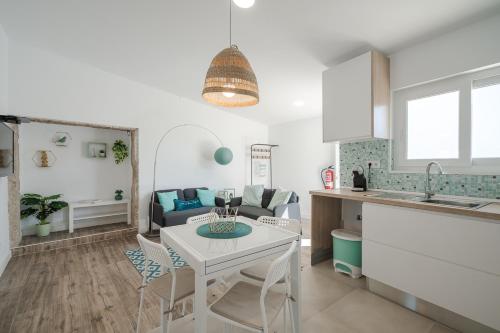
<point>212,258</point>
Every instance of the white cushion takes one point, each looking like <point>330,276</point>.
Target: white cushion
<point>252,195</point>
<point>280,197</point>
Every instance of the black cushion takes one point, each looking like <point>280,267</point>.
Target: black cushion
<point>180,194</point>
<point>293,198</point>
<point>254,212</point>
<point>267,197</point>
<point>190,193</point>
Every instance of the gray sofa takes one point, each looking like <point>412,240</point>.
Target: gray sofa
<point>172,218</point>
<point>290,210</point>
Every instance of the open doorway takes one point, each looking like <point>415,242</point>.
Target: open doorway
<point>95,170</point>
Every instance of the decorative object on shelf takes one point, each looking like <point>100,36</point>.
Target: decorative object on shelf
<point>118,195</point>
<point>230,80</point>
<point>62,139</point>
<point>97,150</point>
<point>262,151</point>
<point>44,158</point>
<point>42,207</point>
<point>227,194</point>
<point>228,157</point>
<point>120,151</point>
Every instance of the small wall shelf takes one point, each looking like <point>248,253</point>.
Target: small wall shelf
<point>97,150</point>
<point>82,210</point>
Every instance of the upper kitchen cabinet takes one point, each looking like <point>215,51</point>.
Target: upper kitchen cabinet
<point>356,99</point>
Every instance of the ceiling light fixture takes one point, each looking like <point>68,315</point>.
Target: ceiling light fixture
<point>244,3</point>
<point>230,80</point>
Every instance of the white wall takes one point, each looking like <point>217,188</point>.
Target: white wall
<point>73,174</point>
<point>46,85</point>
<point>4,217</point>
<point>301,155</point>
<point>468,48</point>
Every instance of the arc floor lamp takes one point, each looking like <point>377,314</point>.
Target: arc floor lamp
<point>222,156</point>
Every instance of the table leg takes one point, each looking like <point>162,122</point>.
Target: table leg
<point>296,290</point>
<point>200,304</point>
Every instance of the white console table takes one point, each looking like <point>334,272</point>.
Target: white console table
<point>80,210</point>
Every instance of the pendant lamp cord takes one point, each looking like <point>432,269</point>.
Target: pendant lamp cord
<point>230,22</point>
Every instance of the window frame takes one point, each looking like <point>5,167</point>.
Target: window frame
<point>464,84</point>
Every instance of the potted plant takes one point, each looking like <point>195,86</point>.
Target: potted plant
<point>120,151</point>
<point>42,207</point>
<point>118,195</point>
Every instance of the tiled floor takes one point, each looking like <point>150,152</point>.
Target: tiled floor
<point>93,288</point>
<point>332,303</point>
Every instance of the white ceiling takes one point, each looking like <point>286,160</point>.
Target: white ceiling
<point>170,43</point>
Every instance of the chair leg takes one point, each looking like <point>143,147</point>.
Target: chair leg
<point>184,307</point>
<point>140,310</point>
<point>169,322</point>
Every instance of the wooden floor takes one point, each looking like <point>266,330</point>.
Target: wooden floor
<point>89,288</point>
<point>79,232</point>
<point>93,288</point>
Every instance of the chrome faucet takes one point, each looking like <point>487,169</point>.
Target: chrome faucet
<point>428,190</point>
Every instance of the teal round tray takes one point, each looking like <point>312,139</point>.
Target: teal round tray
<point>240,230</point>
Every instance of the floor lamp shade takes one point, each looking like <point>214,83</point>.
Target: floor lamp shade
<point>223,155</point>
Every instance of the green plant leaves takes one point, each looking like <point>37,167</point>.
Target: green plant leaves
<point>120,151</point>
<point>40,206</point>
<point>28,212</point>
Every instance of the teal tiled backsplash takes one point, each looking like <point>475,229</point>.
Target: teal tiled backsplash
<point>358,153</point>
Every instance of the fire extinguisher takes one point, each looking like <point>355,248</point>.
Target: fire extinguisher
<point>328,177</point>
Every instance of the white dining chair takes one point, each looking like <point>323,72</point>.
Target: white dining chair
<point>255,308</point>
<point>202,219</point>
<point>259,271</point>
<point>173,286</point>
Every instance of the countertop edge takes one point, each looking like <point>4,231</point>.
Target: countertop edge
<point>362,197</point>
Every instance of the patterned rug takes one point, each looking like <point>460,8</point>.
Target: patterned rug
<point>137,259</point>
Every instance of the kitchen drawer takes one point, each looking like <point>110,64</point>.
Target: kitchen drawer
<point>467,241</point>
<point>471,293</point>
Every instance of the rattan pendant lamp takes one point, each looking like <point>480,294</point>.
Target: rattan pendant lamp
<point>230,80</point>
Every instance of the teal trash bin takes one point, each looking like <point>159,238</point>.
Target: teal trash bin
<point>347,252</point>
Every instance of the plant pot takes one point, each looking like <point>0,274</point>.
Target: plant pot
<point>43,230</point>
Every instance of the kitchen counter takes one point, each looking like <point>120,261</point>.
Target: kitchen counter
<point>326,213</point>
<point>490,211</point>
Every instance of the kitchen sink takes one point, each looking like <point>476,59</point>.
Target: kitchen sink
<point>462,204</point>
<point>419,198</point>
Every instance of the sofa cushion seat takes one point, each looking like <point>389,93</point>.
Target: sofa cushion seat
<point>180,217</point>
<point>254,212</point>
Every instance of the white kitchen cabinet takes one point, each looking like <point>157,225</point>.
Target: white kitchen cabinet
<point>446,259</point>
<point>356,99</point>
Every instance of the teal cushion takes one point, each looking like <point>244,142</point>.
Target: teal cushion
<point>166,199</point>
<point>187,204</point>
<point>207,197</point>
<point>252,195</point>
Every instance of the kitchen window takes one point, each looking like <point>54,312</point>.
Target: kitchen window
<point>455,121</point>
